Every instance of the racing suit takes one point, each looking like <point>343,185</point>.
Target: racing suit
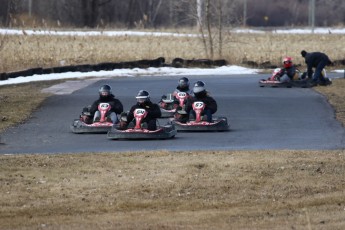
<point>116,108</point>
<point>287,74</point>
<point>210,104</point>
<point>153,112</point>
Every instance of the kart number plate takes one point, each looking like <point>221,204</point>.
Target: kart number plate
<point>198,104</point>
<point>104,106</point>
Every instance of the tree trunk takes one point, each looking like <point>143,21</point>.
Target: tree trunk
<point>208,21</point>
<point>90,12</point>
<point>85,12</point>
<point>220,28</point>
<point>11,10</point>
<point>94,13</point>
<point>130,21</point>
<point>199,20</point>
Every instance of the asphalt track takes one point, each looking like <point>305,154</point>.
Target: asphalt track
<point>259,118</point>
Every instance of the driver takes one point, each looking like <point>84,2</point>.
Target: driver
<point>200,94</point>
<point>106,96</point>
<point>287,73</point>
<point>153,110</point>
<point>182,86</point>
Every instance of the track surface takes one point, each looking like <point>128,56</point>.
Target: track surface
<point>259,118</point>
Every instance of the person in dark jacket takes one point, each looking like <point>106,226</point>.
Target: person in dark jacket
<point>200,94</point>
<point>318,61</point>
<point>153,110</point>
<point>106,96</point>
<point>182,86</point>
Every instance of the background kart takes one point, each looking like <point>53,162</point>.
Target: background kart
<point>140,131</point>
<point>168,104</point>
<point>302,82</point>
<point>274,83</point>
<point>199,124</point>
<point>85,123</point>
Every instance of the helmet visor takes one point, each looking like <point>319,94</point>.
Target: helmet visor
<point>104,93</point>
<point>141,99</point>
<point>183,83</point>
<point>198,89</point>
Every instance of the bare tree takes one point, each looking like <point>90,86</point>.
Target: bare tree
<point>11,10</point>
<point>211,22</point>
<point>130,13</point>
<point>220,28</point>
<point>90,11</point>
<point>176,13</point>
<point>199,5</point>
<point>208,21</point>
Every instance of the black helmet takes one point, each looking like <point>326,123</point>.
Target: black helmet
<point>199,86</point>
<point>105,91</point>
<point>183,83</point>
<point>143,96</point>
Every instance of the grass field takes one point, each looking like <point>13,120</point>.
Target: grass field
<point>174,190</point>
<point>22,52</point>
<point>169,190</point>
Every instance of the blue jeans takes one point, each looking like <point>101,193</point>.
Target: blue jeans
<point>317,75</point>
<point>112,115</point>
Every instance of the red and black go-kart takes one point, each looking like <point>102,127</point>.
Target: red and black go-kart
<point>85,123</point>
<point>273,81</point>
<point>301,82</point>
<point>140,131</point>
<point>168,105</point>
<point>199,124</point>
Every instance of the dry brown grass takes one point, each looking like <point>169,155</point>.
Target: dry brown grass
<point>17,102</point>
<point>22,52</point>
<point>174,190</point>
<point>336,95</point>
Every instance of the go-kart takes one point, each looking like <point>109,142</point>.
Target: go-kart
<point>199,124</point>
<point>273,81</point>
<point>301,82</point>
<point>85,123</point>
<point>168,105</point>
<point>138,129</point>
